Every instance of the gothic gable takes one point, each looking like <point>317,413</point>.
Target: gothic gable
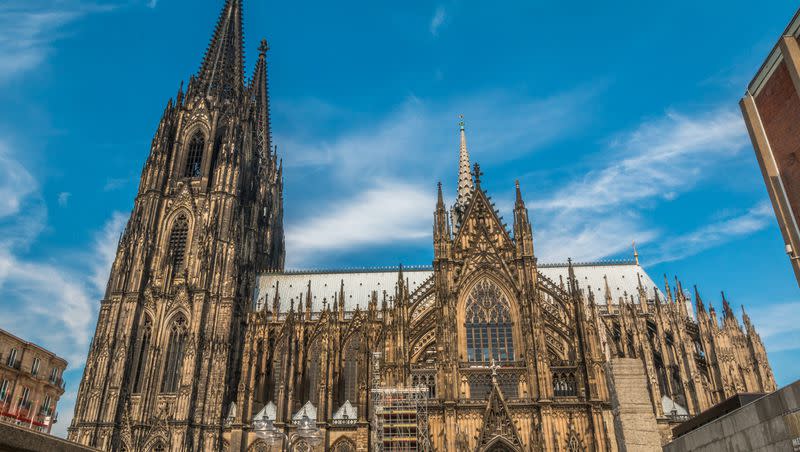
<point>497,423</point>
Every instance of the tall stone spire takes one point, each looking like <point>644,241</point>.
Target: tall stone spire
<point>260,96</point>
<point>465,185</point>
<point>222,71</point>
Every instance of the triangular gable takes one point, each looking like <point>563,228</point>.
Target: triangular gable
<point>269,412</point>
<point>346,411</point>
<point>479,205</point>
<point>497,422</point>
<point>308,410</point>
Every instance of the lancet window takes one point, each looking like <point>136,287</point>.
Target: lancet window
<point>177,243</point>
<point>488,325</point>
<point>144,349</point>
<point>175,350</point>
<point>194,157</point>
<point>312,379</point>
<point>348,388</point>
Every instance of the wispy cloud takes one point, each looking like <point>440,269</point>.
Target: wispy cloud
<point>408,144</point>
<point>152,3</point>
<point>438,19</point>
<point>657,160</point>
<point>712,235</point>
<point>63,198</point>
<point>54,299</point>
<point>29,28</point>
<point>390,213</point>
<point>601,212</point>
<point>777,325</point>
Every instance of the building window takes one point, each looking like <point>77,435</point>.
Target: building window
<point>488,325</point>
<point>46,409</point>
<point>194,158</point>
<point>144,348</point>
<point>348,389</point>
<point>174,361</point>
<point>177,243</point>
<point>12,357</point>
<point>3,390</point>
<point>35,366</point>
<point>24,403</point>
<point>54,375</point>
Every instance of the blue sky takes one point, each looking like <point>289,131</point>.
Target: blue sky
<point>619,119</point>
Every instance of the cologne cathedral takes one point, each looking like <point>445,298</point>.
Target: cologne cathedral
<point>204,342</point>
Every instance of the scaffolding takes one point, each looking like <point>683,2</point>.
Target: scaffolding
<point>399,415</point>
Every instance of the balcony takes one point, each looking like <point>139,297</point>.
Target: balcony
<point>565,381</point>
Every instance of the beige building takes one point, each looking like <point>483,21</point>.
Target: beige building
<point>30,383</point>
<point>771,109</point>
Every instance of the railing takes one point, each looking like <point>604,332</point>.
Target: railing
<point>565,381</point>
<point>345,421</point>
<point>675,417</point>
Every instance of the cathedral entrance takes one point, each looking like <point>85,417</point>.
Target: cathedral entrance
<point>500,445</point>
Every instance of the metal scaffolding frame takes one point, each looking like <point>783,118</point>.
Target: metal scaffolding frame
<point>399,416</point>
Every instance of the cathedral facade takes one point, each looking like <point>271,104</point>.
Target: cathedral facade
<point>205,342</point>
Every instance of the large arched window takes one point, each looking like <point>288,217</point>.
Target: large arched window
<point>488,325</point>
<point>312,376</point>
<point>174,362</point>
<point>348,383</point>
<point>177,243</point>
<point>194,156</point>
<point>144,349</point>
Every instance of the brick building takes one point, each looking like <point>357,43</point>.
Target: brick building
<point>30,383</point>
<point>771,109</point>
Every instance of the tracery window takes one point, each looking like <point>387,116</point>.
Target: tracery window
<point>194,158</point>
<point>348,389</point>
<point>344,445</point>
<point>177,243</point>
<point>312,373</point>
<point>144,348</point>
<point>488,325</point>
<point>174,362</point>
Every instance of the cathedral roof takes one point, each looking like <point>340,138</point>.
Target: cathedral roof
<point>292,286</point>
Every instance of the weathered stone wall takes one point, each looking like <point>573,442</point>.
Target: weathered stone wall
<point>768,424</point>
<point>634,421</point>
<point>18,439</point>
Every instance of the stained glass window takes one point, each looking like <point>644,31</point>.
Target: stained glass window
<point>194,159</point>
<point>488,325</point>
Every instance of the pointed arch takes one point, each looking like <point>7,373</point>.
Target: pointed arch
<point>177,242</point>
<point>344,444</point>
<point>194,155</point>
<point>176,347</point>
<point>143,353</point>
<point>313,370</point>
<point>489,323</point>
<point>348,379</point>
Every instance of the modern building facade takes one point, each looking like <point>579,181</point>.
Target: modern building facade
<point>30,383</point>
<point>771,109</point>
<point>205,342</point>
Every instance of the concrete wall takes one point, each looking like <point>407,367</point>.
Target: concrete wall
<point>18,439</point>
<point>768,424</point>
<point>634,420</point>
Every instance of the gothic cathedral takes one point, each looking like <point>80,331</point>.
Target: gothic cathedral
<point>204,342</point>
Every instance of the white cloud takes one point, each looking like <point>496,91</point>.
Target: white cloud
<point>16,183</point>
<point>714,234</point>
<point>63,198</point>
<point>777,325</point>
<point>409,144</point>
<point>437,20</point>
<point>601,212</point>
<point>657,160</point>
<point>390,212</point>
<point>29,28</point>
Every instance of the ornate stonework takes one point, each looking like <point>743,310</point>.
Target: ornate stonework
<point>201,333</point>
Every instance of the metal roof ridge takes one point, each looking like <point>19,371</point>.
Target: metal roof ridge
<point>317,271</point>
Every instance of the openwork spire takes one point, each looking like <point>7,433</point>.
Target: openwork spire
<point>260,97</point>
<point>464,176</point>
<point>222,71</point>
<point>465,185</point>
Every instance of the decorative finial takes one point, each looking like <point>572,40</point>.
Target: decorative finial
<point>263,48</point>
<point>478,174</point>
<point>635,253</point>
<point>461,121</point>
